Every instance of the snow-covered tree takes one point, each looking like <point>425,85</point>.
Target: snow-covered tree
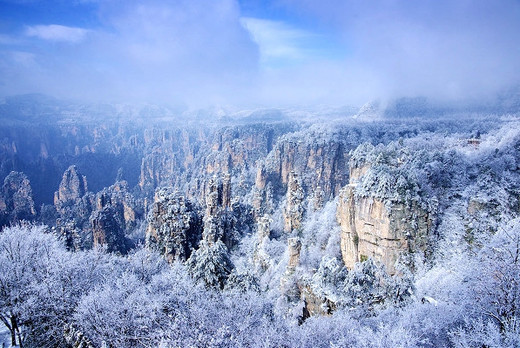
<point>210,264</point>
<point>27,256</point>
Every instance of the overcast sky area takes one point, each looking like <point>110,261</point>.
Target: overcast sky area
<point>259,53</point>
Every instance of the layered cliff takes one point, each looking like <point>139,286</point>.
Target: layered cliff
<point>379,226</point>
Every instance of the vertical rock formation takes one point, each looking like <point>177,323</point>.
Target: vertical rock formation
<point>318,199</point>
<point>174,228</point>
<point>107,230</point>
<point>118,195</point>
<point>226,190</point>
<point>213,217</point>
<point>288,284</point>
<point>73,187</point>
<point>116,212</point>
<point>225,219</point>
<point>294,247</point>
<point>260,257</point>
<point>293,211</point>
<point>16,201</point>
<point>378,229</point>
<point>323,157</point>
<point>74,204</point>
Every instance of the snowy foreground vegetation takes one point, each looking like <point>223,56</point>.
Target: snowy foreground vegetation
<point>263,235</point>
<point>54,297</point>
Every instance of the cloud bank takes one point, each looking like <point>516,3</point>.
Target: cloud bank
<point>210,52</point>
<point>442,48</point>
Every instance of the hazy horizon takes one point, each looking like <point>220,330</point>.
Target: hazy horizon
<point>259,53</point>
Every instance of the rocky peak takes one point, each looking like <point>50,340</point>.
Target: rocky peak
<point>16,200</point>
<point>72,187</point>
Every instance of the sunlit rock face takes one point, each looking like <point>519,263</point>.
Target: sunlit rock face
<point>377,229</point>
<point>73,187</point>
<point>16,201</point>
<point>174,228</point>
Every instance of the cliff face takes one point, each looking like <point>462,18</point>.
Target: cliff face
<point>320,163</point>
<point>324,162</point>
<point>377,229</point>
<point>128,207</point>
<point>16,201</point>
<point>188,159</point>
<point>89,220</point>
<point>116,212</point>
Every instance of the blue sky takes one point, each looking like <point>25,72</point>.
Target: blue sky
<point>252,52</point>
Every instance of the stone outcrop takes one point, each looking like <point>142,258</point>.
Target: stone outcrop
<point>213,216</point>
<point>289,286</point>
<point>260,256</point>
<point>118,195</point>
<point>324,160</point>
<point>188,159</point>
<point>73,187</point>
<point>16,201</point>
<point>91,220</point>
<point>74,204</point>
<point>293,211</point>
<point>315,305</point>
<point>115,213</point>
<point>294,247</point>
<point>174,228</point>
<point>106,229</point>
<point>373,228</point>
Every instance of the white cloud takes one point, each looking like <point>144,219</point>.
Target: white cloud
<point>281,44</point>
<point>56,32</point>
<point>276,40</point>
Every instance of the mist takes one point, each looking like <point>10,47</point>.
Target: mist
<point>253,53</point>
